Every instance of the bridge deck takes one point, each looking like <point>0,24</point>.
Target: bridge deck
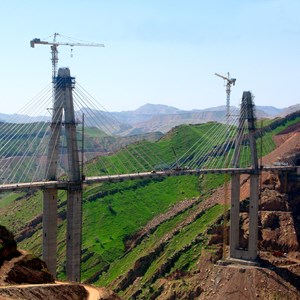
<point>61,184</point>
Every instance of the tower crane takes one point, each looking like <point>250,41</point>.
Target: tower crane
<point>230,81</point>
<point>54,45</point>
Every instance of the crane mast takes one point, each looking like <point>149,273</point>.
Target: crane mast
<point>229,82</point>
<point>54,52</point>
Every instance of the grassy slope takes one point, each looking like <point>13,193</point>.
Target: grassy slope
<point>112,212</point>
<point>126,208</point>
<point>123,265</point>
<point>183,239</point>
<point>25,140</point>
<point>148,156</point>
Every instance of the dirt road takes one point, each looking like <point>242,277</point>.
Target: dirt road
<point>94,293</point>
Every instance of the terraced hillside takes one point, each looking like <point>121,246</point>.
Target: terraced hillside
<point>141,230</point>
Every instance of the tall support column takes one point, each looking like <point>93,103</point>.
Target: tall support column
<point>50,195</point>
<point>235,251</point>
<point>50,229</point>
<point>74,230</point>
<point>254,181</point>
<point>234,215</point>
<point>253,216</point>
<point>74,197</point>
<point>63,100</point>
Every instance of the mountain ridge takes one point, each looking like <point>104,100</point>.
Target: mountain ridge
<point>155,117</point>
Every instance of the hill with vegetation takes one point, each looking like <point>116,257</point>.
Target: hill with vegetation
<point>141,237</point>
<point>24,146</point>
<point>95,140</point>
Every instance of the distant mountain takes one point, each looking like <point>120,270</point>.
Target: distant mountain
<point>155,117</point>
<point>270,110</point>
<point>145,113</point>
<point>156,109</point>
<point>217,108</point>
<point>164,122</point>
<point>289,110</point>
<point>17,118</point>
<point>261,111</point>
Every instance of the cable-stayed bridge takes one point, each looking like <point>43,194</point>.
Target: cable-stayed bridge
<point>54,153</point>
<point>63,184</point>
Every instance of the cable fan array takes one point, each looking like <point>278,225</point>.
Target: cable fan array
<point>24,142</point>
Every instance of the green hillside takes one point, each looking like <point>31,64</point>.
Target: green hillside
<point>115,213</point>
<point>25,139</point>
<point>24,145</point>
<point>162,154</point>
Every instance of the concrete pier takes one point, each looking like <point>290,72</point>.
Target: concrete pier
<point>234,216</point>
<point>253,217</point>
<point>50,194</point>
<point>74,198</point>
<point>50,229</point>
<point>236,252</point>
<point>63,102</point>
<point>74,229</point>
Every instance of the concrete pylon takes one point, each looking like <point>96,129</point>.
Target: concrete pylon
<point>50,229</point>
<point>236,252</point>
<point>63,102</point>
<point>50,195</point>
<point>74,197</point>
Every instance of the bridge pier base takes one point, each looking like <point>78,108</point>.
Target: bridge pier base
<point>74,229</point>
<point>236,252</point>
<point>50,229</point>
<point>253,217</point>
<point>235,215</point>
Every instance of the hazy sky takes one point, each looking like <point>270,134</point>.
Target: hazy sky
<point>158,51</point>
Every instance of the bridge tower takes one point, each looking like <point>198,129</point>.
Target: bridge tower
<point>236,252</point>
<point>63,106</point>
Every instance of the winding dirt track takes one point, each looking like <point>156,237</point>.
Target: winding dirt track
<point>94,293</point>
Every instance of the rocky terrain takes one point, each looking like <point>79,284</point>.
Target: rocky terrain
<point>24,276</point>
